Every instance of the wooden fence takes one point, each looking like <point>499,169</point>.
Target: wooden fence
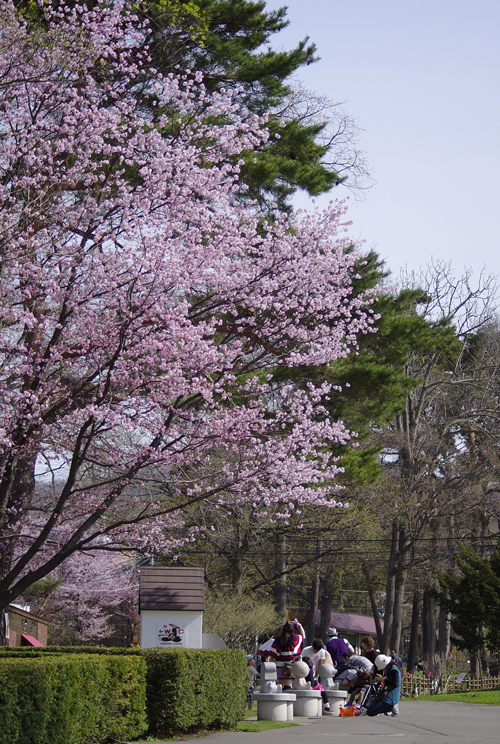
<point>420,684</point>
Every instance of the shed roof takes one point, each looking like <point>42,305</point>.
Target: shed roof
<point>172,588</point>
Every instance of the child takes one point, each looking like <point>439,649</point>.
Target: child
<point>252,674</point>
<point>359,687</point>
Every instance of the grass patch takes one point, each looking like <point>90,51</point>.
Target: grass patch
<point>481,697</point>
<point>257,726</point>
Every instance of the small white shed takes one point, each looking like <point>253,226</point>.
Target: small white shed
<point>171,601</point>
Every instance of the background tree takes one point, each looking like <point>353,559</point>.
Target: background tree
<point>238,619</point>
<point>426,455</point>
<point>424,394</point>
<point>370,390</point>
<point>472,597</point>
<point>88,599</point>
<point>313,142</point>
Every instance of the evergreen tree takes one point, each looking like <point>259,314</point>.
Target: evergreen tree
<point>229,42</point>
<point>373,384</point>
<point>473,599</point>
<point>232,49</point>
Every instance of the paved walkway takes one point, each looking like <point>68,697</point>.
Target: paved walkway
<point>418,723</point>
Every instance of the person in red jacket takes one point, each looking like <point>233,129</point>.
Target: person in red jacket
<point>286,648</point>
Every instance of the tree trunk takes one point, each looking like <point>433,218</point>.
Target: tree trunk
<point>443,644</point>
<point>373,603</point>
<point>474,664</point>
<point>3,627</point>
<point>390,591</point>
<point>313,603</point>
<point>415,616</point>
<point>399,590</point>
<point>280,566</point>
<point>237,562</point>
<point>429,636</point>
<point>398,610</point>
<point>16,492</point>
<point>325,603</point>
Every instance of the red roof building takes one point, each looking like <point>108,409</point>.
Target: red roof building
<point>25,628</point>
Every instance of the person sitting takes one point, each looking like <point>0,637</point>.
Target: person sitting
<point>286,648</point>
<point>320,656</point>
<point>345,673</point>
<point>263,651</point>
<point>358,662</point>
<point>359,687</point>
<point>390,675</point>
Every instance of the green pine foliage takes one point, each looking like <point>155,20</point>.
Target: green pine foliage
<point>473,599</point>
<point>233,50</point>
<point>374,383</point>
<point>276,170</point>
<point>229,41</point>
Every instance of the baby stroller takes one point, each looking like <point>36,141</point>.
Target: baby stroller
<point>373,693</point>
<point>363,694</point>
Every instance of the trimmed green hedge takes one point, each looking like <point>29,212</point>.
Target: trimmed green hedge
<point>71,700</point>
<point>37,651</point>
<point>190,688</point>
<point>185,688</point>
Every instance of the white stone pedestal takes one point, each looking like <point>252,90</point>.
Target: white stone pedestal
<point>274,706</point>
<point>336,698</point>
<point>308,703</point>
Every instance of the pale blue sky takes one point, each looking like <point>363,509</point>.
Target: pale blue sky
<point>421,78</point>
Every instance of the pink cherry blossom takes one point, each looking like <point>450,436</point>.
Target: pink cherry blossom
<point>145,304</point>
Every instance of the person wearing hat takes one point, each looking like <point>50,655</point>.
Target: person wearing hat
<point>337,646</point>
<point>390,675</point>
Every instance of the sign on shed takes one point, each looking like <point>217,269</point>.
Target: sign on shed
<point>172,600</point>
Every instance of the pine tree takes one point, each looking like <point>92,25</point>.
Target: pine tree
<point>229,41</point>
<point>473,599</point>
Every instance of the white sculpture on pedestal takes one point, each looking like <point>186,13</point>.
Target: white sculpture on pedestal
<point>268,678</point>
<point>326,672</point>
<point>300,670</point>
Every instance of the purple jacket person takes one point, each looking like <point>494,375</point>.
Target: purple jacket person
<point>336,646</point>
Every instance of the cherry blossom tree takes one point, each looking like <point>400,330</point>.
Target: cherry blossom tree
<point>144,307</point>
<point>88,598</point>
